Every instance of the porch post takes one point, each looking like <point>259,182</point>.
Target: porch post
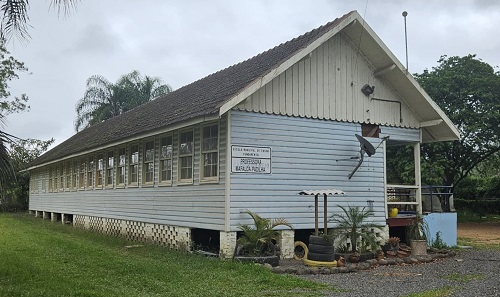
<point>418,181</point>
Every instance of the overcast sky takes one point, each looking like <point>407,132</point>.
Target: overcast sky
<point>182,41</point>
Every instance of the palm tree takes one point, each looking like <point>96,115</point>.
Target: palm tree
<point>259,239</point>
<point>103,100</point>
<point>352,225</point>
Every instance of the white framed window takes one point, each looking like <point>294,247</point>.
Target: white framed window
<point>99,173</point>
<point>110,169</point>
<point>121,167</point>
<point>44,179</point>
<point>51,172</point>
<point>148,165</point>
<point>68,176</point>
<point>90,172</point>
<point>74,176</point>
<point>134,165</point>
<point>60,175</point>
<point>209,163</point>
<point>186,152</point>
<point>32,182</point>
<point>81,180</point>
<point>166,154</point>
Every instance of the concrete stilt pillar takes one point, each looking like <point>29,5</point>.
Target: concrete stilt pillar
<point>227,244</point>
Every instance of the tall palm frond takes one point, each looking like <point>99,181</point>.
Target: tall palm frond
<point>6,170</point>
<point>15,17</point>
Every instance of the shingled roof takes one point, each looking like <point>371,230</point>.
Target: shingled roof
<point>203,97</point>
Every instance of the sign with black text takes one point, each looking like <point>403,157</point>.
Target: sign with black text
<point>250,159</point>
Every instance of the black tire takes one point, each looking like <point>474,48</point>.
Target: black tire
<point>321,249</point>
<point>319,240</point>
<point>320,257</point>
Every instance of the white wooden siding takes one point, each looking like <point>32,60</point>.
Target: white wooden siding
<point>194,206</point>
<point>306,154</point>
<point>327,85</point>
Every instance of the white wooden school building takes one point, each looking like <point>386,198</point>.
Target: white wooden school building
<point>182,168</point>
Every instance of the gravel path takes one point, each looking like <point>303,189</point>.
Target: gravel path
<point>483,266</point>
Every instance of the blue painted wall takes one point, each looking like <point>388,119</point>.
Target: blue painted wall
<point>446,223</point>
<point>306,154</point>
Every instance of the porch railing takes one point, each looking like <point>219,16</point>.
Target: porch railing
<point>404,196</point>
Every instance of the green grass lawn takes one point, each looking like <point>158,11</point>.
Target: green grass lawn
<point>40,258</point>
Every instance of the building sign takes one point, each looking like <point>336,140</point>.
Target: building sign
<point>250,159</point>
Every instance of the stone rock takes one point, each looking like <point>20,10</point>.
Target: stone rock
<point>343,269</point>
<point>302,271</point>
<point>382,262</point>
<point>407,260</point>
<point>391,261</point>
<point>372,261</point>
<point>363,266</point>
<point>334,270</point>
<point>353,268</point>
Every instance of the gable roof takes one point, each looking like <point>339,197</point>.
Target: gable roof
<point>217,93</point>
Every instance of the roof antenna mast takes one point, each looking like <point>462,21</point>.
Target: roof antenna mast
<point>406,40</point>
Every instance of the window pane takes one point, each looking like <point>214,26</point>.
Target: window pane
<point>149,152</point>
<point>121,157</point>
<point>186,143</point>
<point>210,138</point>
<point>121,175</point>
<point>111,160</point>
<point>166,147</point>
<point>134,169</point>
<point>166,170</point>
<point>186,167</point>
<point>134,154</point>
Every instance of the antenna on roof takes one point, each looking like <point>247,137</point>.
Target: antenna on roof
<point>365,147</point>
<point>406,40</point>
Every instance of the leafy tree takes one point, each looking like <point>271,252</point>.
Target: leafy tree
<point>103,100</point>
<point>468,90</point>
<point>14,14</point>
<point>15,190</point>
<point>9,69</point>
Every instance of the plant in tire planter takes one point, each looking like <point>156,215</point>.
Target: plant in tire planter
<point>352,226</point>
<point>321,248</point>
<point>258,242</point>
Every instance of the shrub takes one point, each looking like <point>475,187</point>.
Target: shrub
<point>481,206</point>
<point>474,187</point>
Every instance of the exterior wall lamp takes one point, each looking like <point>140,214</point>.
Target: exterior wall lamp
<point>368,90</point>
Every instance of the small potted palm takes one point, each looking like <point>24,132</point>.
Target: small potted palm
<point>258,241</point>
<point>352,225</point>
<point>417,232</point>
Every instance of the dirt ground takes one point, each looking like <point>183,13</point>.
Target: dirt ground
<point>487,232</point>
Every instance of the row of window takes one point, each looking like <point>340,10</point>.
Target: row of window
<point>121,166</point>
